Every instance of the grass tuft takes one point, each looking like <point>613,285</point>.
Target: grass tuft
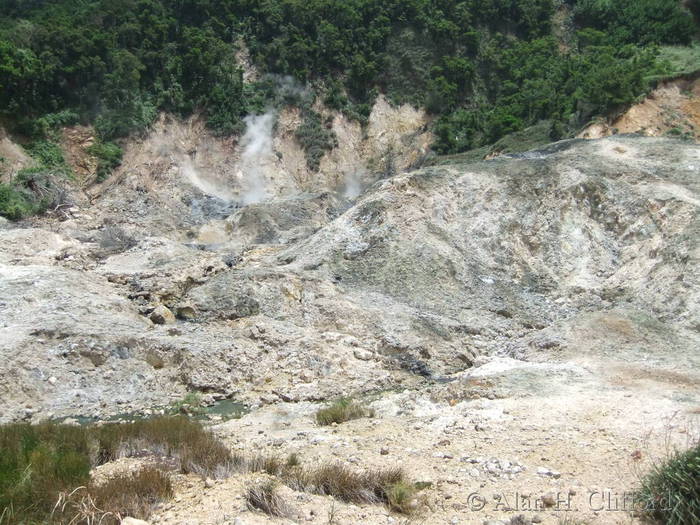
<point>401,498</point>
<point>388,486</point>
<point>265,497</point>
<point>341,411</point>
<point>672,489</point>
<point>38,463</point>
<point>134,495</point>
<point>197,450</point>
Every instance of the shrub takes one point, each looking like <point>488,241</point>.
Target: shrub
<point>672,489</point>
<point>49,155</point>
<point>15,204</point>
<point>341,411</point>
<point>108,155</point>
<point>48,124</point>
<point>190,405</point>
<point>315,138</point>
<point>265,497</point>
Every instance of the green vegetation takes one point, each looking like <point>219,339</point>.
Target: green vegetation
<point>191,404</point>
<point>16,202</point>
<point>316,138</point>
<point>44,463</point>
<point>485,68</point>
<point>109,156</point>
<point>341,411</point>
<point>680,60</point>
<point>45,472</point>
<point>671,490</point>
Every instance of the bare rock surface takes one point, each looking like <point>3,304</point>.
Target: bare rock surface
<point>521,324</point>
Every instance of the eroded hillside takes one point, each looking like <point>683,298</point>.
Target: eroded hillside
<point>497,311</point>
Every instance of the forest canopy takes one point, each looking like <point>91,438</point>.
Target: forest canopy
<point>485,68</point>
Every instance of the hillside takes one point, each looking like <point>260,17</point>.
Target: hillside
<point>565,275</point>
<point>426,261</point>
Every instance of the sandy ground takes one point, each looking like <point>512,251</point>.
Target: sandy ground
<point>582,436</point>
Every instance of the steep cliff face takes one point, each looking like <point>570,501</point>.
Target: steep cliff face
<point>582,249</point>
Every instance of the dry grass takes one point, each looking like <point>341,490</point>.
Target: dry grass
<point>269,464</point>
<point>133,495</point>
<point>341,411</point>
<point>40,462</point>
<point>265,497</point>
<point>388,486</point>
<point>196,450</point>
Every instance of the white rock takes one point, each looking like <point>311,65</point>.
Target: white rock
<point>362,355</point>
<point>133,521</point>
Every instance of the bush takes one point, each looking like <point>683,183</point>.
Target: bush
<point>316,138</point>
<point>672,489</point>
<point>14,203</point>
<point>49,155</point>
<point>341,411</point>
<point>48,125</point>
<point>108,155</point>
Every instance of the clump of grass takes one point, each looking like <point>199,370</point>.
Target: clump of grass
<point>197,450</point>
<point>388,486</point>
<point>40,462</point>
<point>269,464</point>
<point>341,411</point>
<point>293,460</point>
<point>134,495</point>
<point>401,497</point>
<point>265,497</point>
<point>672,489</point>
<point>37,463</point>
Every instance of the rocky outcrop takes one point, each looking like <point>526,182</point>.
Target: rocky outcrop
<point>581,249</point>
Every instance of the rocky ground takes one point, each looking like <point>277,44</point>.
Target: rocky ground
<point>524,327</point>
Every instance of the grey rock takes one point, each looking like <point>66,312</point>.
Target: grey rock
<point>548,247</point>
<point>162,315</point>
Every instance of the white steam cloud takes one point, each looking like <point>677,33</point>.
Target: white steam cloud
<point>206,186</point>
<point>353,185</point>
<point>257,150</point>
